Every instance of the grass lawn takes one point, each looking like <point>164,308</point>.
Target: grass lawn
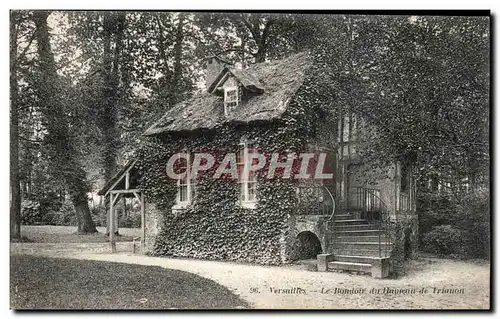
<point>55,283</point>
<point>67,234</point>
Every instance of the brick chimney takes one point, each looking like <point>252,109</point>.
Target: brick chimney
<point>214,66</point>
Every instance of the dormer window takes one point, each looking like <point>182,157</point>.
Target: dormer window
<point>231,99</point>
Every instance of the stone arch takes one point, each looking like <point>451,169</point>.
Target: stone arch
<point>307,245</point>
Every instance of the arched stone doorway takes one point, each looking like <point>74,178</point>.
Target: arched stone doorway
<point>307,246</point>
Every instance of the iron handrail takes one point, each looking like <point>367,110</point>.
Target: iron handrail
<point>333,203</point>
<point>322,207</point>
<point>384,221</point>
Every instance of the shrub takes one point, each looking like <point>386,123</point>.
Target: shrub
<point>30,212</point>
<point>444,240</point>
<point>48,211</point>
<point>99,215</point>
<point>132,220</point>
<point>473,217</point>
<point>469,214</point>
<point>434,210</point>
<point>65,216</point>
<point>42,211</point>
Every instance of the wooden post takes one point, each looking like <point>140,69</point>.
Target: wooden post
<point>108,214</point>
<point>124,200</point>
<point>107,203</point>
<point>115,211</point>
<point>112,223</point>
<point>143,224</point>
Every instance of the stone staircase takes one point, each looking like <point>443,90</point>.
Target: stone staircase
<point>357,244</point>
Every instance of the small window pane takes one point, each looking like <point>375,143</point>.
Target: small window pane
<point>345,133</point>
<point>183,184</point>
<point>252,186</point>
<point>230,100</point>
<point>183,193</point>
<point>240,156</point>
<point>231,96</point>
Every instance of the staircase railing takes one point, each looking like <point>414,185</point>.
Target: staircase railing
<point>333,203</point>
<point>404,201</point>
<point>329,231</point>
<point>374,209</point>
<point>316,200</point>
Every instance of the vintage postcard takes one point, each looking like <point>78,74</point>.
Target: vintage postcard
<point>260,160</point>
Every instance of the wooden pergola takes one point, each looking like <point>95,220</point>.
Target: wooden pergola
<point>123,184</point>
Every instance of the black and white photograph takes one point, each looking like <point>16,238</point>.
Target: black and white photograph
<point>249,160</point>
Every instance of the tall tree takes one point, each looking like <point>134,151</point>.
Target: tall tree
<point>113,28</point>
<point>436,69</point>
<point>63,152</point>
<point>15,187</point>
<point>243,35</point>
<point>175,85</point>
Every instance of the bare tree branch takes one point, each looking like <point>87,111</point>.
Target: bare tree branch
<point>27,47</point>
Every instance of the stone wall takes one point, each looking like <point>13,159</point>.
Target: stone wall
<point>296,225</point>
<point>153,226</point>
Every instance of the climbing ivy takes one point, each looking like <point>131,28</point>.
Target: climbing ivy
<point>215,226</point>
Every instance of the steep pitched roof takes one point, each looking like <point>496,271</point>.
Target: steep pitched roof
<point>118,176</point>
<point>245,77</point>
<point>279,81</point>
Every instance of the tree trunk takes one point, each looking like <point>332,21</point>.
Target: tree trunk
<point>109,115</point>
<point>179,38</point>
<point>262,43</point>
<point>108,216</point>
<point>65,156</point>
<point>114,24</point>
<point>15,187</point>
<point>260,37</point>
<point>164,82</point>
<point>260,56</point>
<point>242,52</point>
<point>86,224</point>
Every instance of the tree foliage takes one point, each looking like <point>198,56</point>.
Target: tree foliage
<point>83,92</point>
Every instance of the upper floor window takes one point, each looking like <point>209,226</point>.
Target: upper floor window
<point>231,99</point>
<point>350,128</point>
<point>405,177</point>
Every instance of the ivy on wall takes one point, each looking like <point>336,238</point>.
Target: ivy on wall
<point>215,226</point>
<point>404,237</point>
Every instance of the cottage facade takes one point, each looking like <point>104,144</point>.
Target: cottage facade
<point>358,220</point>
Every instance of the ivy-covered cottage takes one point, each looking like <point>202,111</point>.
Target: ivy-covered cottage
<point>349,222</point>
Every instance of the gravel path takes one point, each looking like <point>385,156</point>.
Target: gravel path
<point>289,287</point>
